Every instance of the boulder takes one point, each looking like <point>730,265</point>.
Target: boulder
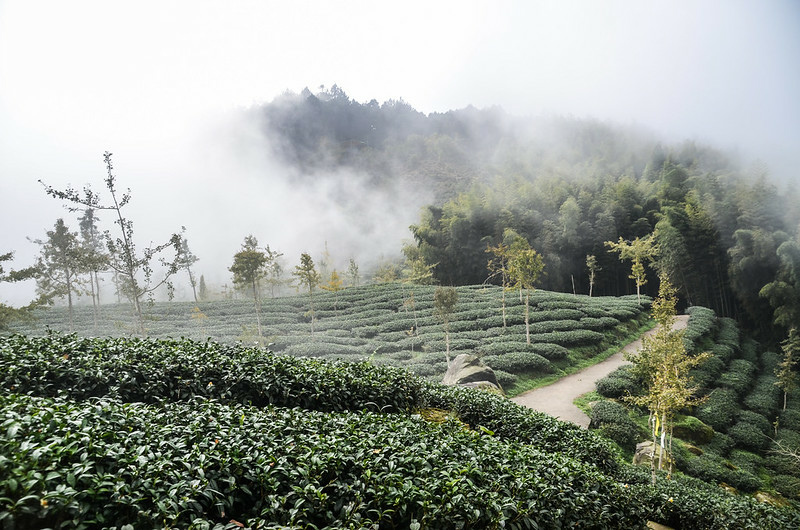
<point>469,370</point>
<point>645,452</point>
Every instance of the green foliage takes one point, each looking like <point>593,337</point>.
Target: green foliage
<point>748,436</point>
<point>619,383</point>
<point>519,362</point>
<point>739,376</point>
<point>765,398</point>
<point>720,409</point>
<point>612,421</point>
<point>205,463</point>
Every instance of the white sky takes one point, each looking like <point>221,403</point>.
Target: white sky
<point>148,80</point>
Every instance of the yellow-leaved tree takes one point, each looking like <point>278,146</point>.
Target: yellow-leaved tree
<point>663,364</point>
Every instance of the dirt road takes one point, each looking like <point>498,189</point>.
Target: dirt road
<point>556,399</point>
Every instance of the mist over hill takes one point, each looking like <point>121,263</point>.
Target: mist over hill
<point>566,184</point>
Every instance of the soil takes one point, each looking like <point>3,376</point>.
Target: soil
<point>556,399</point>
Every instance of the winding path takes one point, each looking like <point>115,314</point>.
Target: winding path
<point>556,399</point>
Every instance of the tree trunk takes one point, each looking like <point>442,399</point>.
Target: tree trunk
<point>257,303</point>
<point>527,319</point>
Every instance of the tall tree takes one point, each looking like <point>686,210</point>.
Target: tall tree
<point>61,264</point>
<point>274,270</point>
<point>185,261</point>
<point>203,290</point>
<point>786,371</point>
<point>135,271</point>
<point>525,265</point>
<point>594,268</point>
<point>663,364</point>
<point>444,305</point>
<point>638,251</point>
<point>95,257</point>
<point>352,272</point>
<point>498,270</point>
<point>307,275</point>
<point>334,285</point>
<point>8,314</point>
<point>248,269</point>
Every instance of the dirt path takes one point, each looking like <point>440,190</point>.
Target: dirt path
<point>556,399</point>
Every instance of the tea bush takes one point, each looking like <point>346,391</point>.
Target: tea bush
<point>203,464</point>
<point>517,362</point>
<point>619,383</point>
<point>766,396</point>
<point>739,376</point>
<point>720,409</point>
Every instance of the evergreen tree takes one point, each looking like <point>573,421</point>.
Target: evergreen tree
<point>786,371</point>
<point>95,258</point>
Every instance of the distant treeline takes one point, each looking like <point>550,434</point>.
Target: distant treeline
<point>566,185</point>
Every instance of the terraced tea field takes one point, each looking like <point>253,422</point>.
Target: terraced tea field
<point>392,324</point>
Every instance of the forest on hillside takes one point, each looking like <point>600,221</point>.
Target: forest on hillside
<point>727,234</point>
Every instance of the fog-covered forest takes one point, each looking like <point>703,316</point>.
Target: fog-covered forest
<point>727,234</point>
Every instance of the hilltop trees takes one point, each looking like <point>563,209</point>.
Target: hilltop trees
<point>135,270</point>
<point>249,267</point>
<point>94,256</point>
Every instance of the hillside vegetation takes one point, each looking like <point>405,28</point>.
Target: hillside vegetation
<point>733,437</point>
<point>394,324</point>
<point>153,433</point>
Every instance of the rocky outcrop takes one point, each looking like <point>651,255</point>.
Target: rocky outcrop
<point>646,451</point>
<point>468,370</point>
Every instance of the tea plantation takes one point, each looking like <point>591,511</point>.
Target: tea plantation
<point>393,324</point>
<point>152,432</point>
<point>147,433</point>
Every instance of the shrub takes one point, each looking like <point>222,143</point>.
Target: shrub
<point>612,421</point>
<point>790,419</point>
<point>728,333</point>
<point>701,324</point>
<point>749,351</point>
<point>707,374</point>
<point>750,462</point>
<point>754,418</point>
<point>739,376</point>
<point>766,396</point>
<point>505,379</point>
<point>719,409</point>
<point>721,444</point>
<point>769,362</point>
<point>517,362</point>
<point>619,383</point>
<point>723,352</point>
<point>748,436</point>
<point>787,485</point>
